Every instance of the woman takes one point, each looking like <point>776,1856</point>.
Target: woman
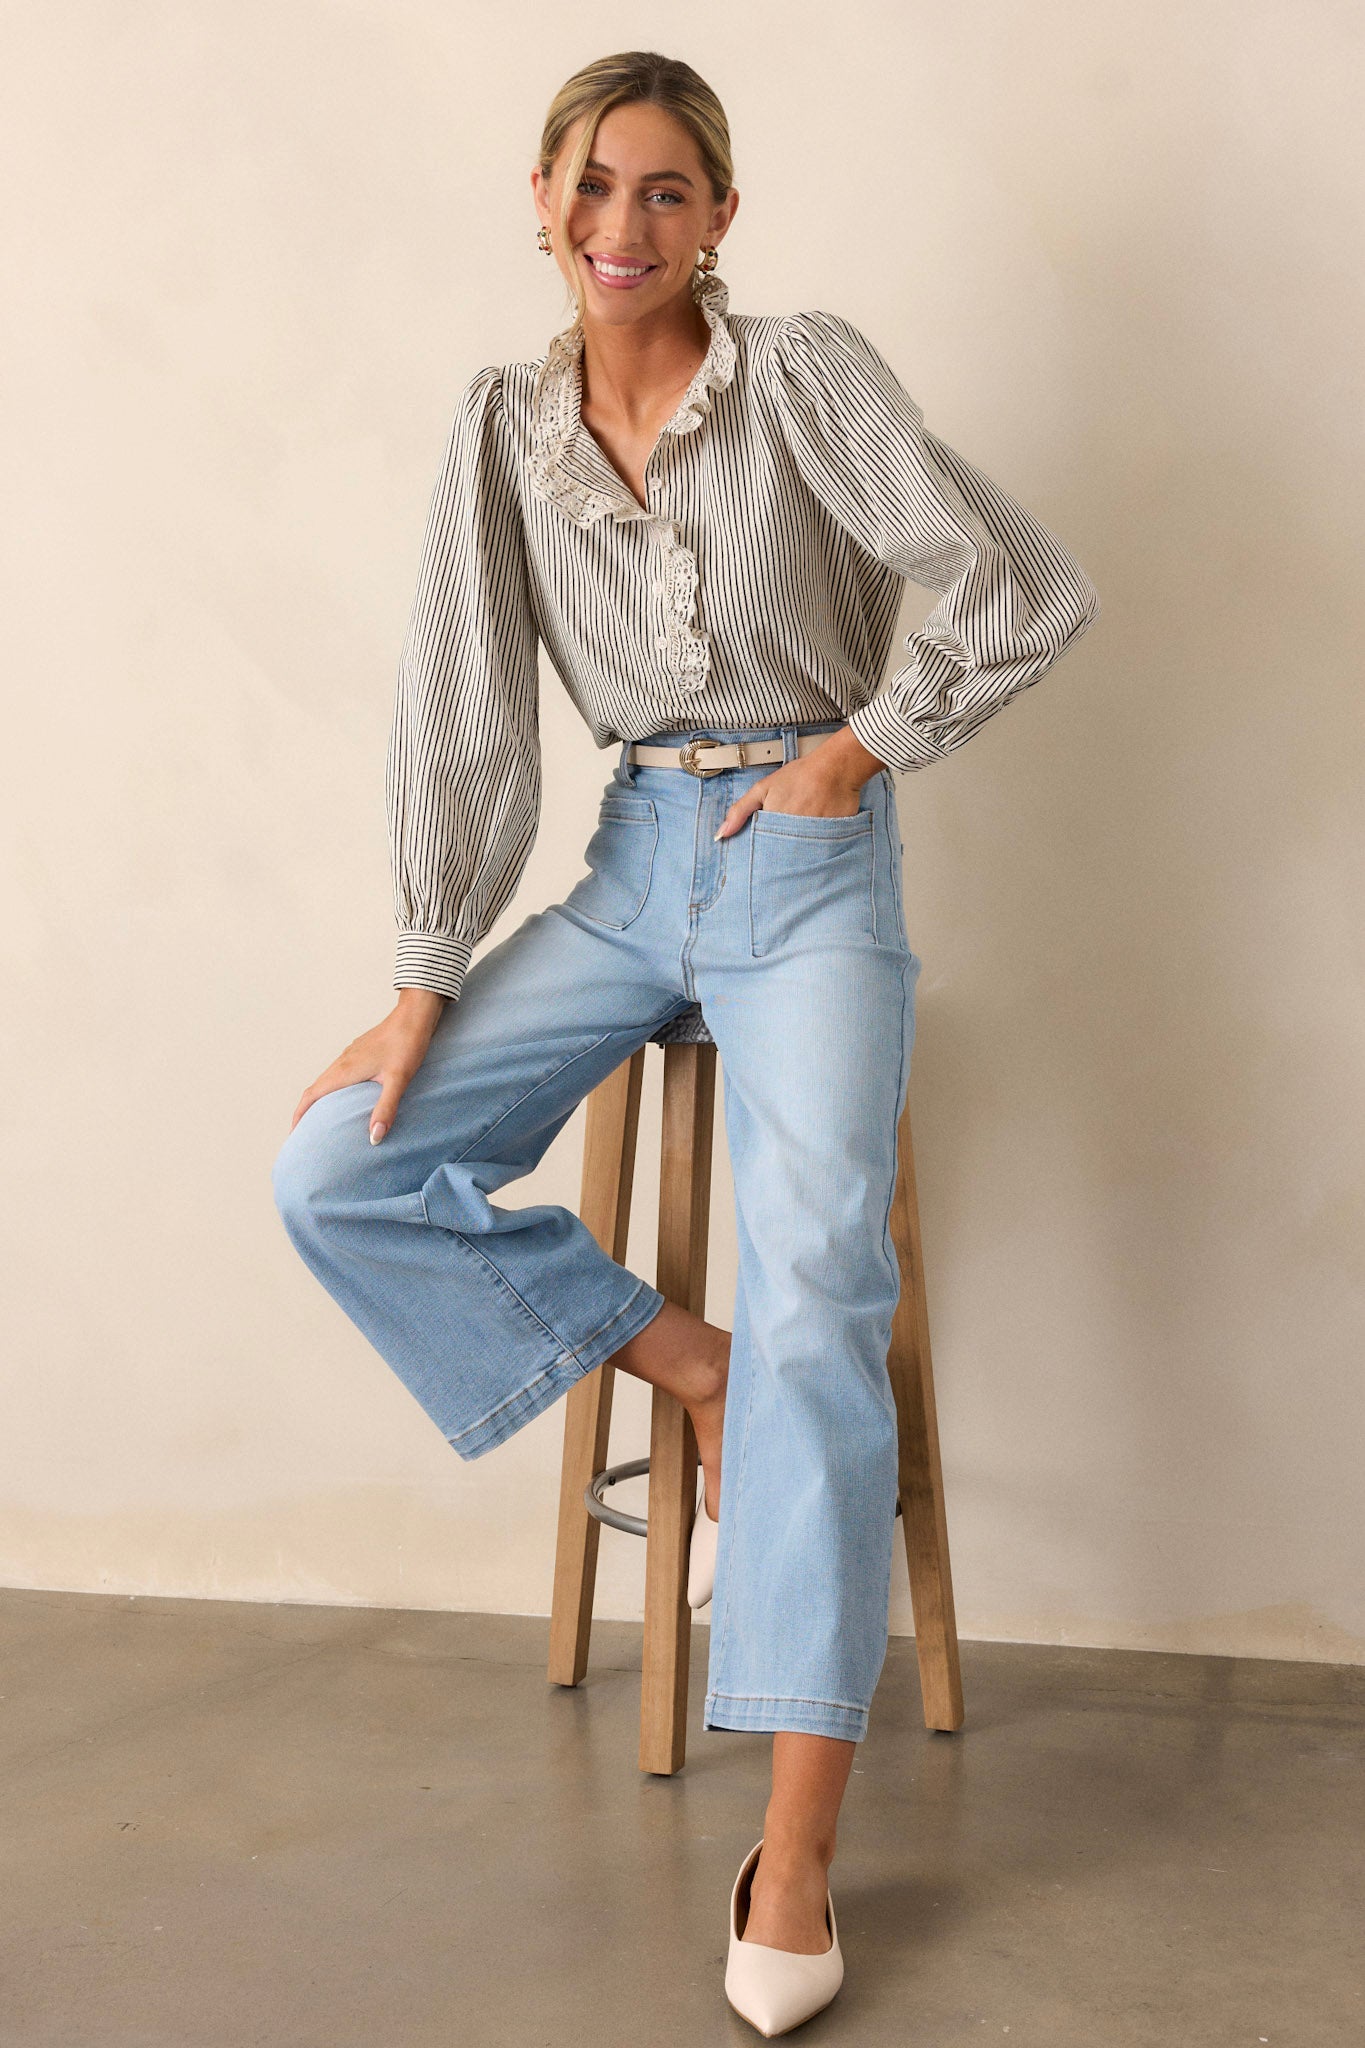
<point>706,518</point>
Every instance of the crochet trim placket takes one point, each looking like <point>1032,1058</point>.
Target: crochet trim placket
<point>569,469</point>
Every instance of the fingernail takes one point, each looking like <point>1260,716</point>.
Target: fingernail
<point>716,834</point>
<point>376,1132</point>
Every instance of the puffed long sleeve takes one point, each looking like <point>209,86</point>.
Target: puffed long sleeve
<point>462,772</point>
<point>1012,597</point>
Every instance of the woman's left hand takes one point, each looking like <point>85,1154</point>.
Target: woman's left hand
<point>822,784</point>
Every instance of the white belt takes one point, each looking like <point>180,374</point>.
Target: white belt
<point>720,753</point>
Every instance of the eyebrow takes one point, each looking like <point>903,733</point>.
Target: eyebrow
<point>649,178</point>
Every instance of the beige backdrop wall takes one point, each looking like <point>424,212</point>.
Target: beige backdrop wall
<point>252,253</point>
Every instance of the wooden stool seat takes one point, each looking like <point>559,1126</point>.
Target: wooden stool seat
<point>613,1112</point>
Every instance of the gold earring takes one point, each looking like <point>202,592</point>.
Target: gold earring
<point>543,239</point>
<point>710,257</point>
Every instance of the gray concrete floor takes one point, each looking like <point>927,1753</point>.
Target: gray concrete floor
<point>227,1824</point>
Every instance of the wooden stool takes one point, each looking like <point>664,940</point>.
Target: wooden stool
<point>689,1093</point>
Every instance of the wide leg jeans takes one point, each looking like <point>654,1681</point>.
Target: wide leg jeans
<point>791,935</point>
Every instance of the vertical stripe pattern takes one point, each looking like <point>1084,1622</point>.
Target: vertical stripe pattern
<point>790,495</point>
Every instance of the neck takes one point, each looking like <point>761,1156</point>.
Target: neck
<point>630,366</point>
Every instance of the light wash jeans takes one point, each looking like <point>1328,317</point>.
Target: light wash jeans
<point>791,935</point>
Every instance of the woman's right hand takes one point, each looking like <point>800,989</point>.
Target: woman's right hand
<point>391,1054</point>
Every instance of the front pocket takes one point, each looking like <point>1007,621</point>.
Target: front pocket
<point>810,880</point>
<point>620,858</point>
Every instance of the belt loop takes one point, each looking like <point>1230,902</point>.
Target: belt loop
<point>625,767</point>
<point>788,744</point>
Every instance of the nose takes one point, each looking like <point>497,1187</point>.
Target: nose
<point>619,222</point>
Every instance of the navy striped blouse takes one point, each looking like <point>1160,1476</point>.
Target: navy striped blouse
<point>791,493</point>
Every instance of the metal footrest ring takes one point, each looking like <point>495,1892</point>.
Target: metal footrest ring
<point>615,1518</point>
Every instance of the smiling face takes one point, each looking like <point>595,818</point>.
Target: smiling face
<point>640,215</point>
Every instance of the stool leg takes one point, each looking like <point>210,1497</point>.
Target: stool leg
<point>921,1475</point>
<point>689,1094</point>
<point>613,1118</point>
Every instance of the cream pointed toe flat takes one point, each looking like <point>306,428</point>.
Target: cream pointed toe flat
<point>701,1562</point>
<point>775,1989</point>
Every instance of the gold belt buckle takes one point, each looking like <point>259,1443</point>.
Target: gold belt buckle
<point>686,754</point>
<point>687,757</point>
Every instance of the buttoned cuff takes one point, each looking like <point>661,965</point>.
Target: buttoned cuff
<point>432,960</point>
<point>883,731</point>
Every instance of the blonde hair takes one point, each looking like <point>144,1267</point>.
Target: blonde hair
<point>610,82</point>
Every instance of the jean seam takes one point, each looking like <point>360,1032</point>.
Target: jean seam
<point>568,1355</point>
<point>526,1095</point>
<point>566,1349</point>
<point>607,924</point>
<point>555,1365</point>
<point>470,1245</point>
<point>553,1074</point>
<point>719,1651</point>
<point>469,1240</point>
<point>891,819</point>
<point>588,1342</point>
<point>851,838</point>
<point>819,838</point>
<point>795,1699</point>
<point>888,1247</point>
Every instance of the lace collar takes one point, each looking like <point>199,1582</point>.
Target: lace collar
<point>566,464</point>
